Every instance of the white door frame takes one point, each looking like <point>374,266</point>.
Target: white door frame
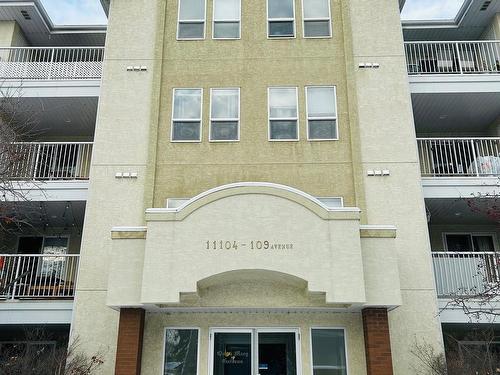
<point>254,344</point>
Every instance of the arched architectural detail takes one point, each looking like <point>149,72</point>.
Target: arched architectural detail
<point>245,188</point>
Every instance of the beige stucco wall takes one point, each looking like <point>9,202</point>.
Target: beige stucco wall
<point>492,32</point>
<point>11,35</point>
<point>253,63</point>
<point>155,325</point>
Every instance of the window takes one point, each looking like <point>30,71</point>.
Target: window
<point>227,15</point>
<point>465,242</point>
<point>321,113</point>
<point>224,114</point>
<point>283,117</point>
<point>191,19</point>
<point>186,115</point>
<point>317,22</point>
<point>181,351</point>
<point>280,18</point>
<point>328,351</point>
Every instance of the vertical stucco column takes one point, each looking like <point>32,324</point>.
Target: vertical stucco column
<point>129,346</point>
<point>377,342</point>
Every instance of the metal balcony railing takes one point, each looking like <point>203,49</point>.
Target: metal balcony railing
<point>44,161</point>
<point>38,276</point>
<point>40,63</point>
<point>459,157</point>
<point>464,273</point>
<point>471,57</point>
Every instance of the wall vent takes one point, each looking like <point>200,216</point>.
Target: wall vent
<point>25,15</point>
<point>485,5</point>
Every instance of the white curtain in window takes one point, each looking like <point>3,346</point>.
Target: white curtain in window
<point>192,10</point>
<point>321,102</point>
<point>316,8</point>
<point>280,8</point>
<point>225,103</point>
<point>187,104</point>
<point>283,103</point>
<point>227,10</point>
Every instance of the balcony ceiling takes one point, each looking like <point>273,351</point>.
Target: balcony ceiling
<point>52,214</point>
<point>62,118</point>
<point>40,31</point>
<point>454,211</point>
<point>453,114</point>
<point>470,26</point>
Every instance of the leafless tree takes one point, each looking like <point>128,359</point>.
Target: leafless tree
<point>47,360</point>
<point>17,124</point>
<point>474,356</point>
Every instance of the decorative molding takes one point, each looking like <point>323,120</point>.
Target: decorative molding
<point>127,233</point>
<point>378,231</point>
<point>246,188</point>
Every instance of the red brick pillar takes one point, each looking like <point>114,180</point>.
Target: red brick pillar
<point>377,341</point>
<point>129,347</point>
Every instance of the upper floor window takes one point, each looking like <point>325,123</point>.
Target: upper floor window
<point>280,18</point>
<point>321,113</point>
<point>227,19</point>
<point>225,114</point>
<point>191,23</point>
<point>283,114</point>
<point>186,115</point>
<point>317,18</point>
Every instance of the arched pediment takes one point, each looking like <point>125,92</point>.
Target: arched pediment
<point>251,188</point>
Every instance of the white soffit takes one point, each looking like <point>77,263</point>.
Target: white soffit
<point>470,24</point>
<point>40,31</point>
<point>455,113</point>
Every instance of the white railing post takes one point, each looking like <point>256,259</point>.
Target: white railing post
<point>16,275</point>
<point>475,157</point>
<point>459,58</point>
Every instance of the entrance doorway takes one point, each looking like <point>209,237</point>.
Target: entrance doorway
<point>254,351</point>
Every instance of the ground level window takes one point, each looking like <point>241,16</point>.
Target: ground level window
<point>328,351</point>
<point>181,351</point>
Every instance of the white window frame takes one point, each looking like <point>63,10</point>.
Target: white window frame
<point>282,118</point>
<point>324,198</point>
<point>329,19</point>
<point>345,345</point>
<point>294,20</point>
<point>223,21</point>
<point>164,355</point>
<point>226,119</point>
<point>254,331</point>
<point>336,118</point>
<point>179,21</point>
<point>192,120</point>
<point>471,234</point>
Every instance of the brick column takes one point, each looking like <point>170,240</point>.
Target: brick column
<point>129,346</point>
<point>377,341</point>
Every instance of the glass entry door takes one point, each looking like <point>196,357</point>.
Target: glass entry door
<point>254,351</point>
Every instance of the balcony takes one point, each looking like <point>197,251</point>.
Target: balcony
<point>45,276</point>
<point>49,170</point>
<point>477,57</point>
<point>453,67</point>
<point>40,63</point>
<point>459,167</point>
<point>461,273</point>
<point>33,72</point>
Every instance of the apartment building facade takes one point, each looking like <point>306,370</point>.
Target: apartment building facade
<point>247,196</point>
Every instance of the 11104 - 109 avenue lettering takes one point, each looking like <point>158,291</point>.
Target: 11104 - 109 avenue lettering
<point>232,245</point>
